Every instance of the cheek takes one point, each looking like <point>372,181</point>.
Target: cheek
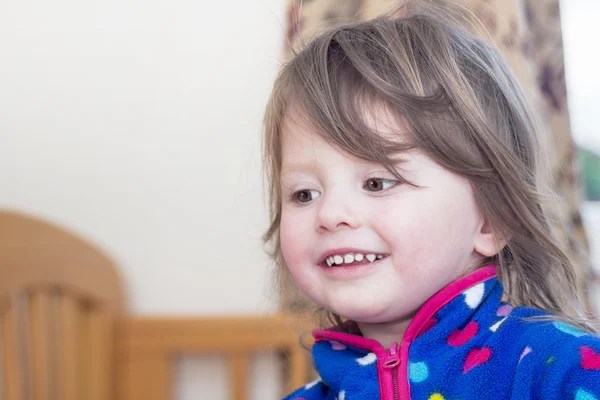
<point>293,236</point>
<point>285,236</point>
<point>427,223</point>
<point>404,223</point>
<point>296,248</point>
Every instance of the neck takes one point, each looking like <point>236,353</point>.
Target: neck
<point>385,333</point>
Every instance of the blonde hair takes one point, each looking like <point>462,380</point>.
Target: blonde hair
<point>461,105</point>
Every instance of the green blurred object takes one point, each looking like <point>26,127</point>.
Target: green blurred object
<point>590,164</point>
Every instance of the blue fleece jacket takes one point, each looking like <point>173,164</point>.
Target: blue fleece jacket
<point>464,343</point>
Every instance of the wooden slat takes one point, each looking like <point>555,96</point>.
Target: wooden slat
<point>298,368</point>
<point>98,347</point>
<point>206,345</point>
<point>39,315</point>
<point>13,360</point>
<point>238,373</point>
<point>55,351</point>
<point>145,335</point>
<point>69,370</point>
<point>147,378</point>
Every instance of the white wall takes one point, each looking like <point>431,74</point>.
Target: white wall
<point>137,124</point>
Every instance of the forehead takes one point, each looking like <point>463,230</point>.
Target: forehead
<point>375,124</point>
<point>304,146</point>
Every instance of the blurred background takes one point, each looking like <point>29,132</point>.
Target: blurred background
<point>135,125</point>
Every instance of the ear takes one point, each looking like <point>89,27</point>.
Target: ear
<point>488,242</point>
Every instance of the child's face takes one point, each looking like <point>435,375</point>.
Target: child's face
<point>334,204</point>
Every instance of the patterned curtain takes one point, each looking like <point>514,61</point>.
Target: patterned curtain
<point>528,34</point>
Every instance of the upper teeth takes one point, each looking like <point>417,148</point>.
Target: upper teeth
<point>349,258</point>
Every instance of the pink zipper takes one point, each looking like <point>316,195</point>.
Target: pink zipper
<point>392,360</point>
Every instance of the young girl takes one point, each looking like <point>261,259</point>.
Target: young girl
<point>405,200</point>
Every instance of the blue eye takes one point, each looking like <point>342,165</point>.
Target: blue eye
<point>379,184</point>
<point>305,196</point>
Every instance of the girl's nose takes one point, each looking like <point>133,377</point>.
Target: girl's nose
<point>336,212</point>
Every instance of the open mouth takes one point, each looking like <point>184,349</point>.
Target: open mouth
<point>351,259</point>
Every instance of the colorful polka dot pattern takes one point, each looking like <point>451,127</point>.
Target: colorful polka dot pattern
<point>470,337</point>
<point>476,348</point>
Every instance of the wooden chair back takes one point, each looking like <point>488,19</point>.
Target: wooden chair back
<point>59,302</point>
<point>151,346</point>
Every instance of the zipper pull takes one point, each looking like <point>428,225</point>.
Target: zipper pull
<point>392,358</point>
